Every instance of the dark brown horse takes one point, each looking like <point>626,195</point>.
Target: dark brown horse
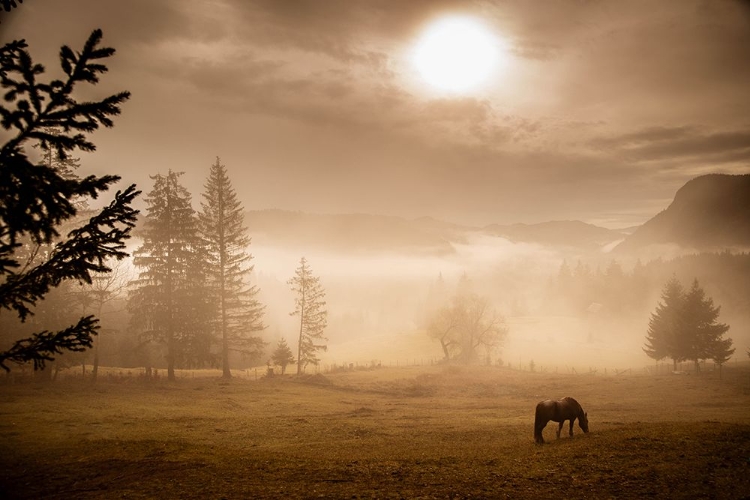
<point>559,411</point>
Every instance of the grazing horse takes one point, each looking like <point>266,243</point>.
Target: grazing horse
<point>559,411</point>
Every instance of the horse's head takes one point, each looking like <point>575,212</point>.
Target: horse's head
<point>584,422</point>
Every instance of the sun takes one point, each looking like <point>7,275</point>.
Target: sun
<point>457,54</point>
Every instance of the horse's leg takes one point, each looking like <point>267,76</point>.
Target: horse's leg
<point>538,433</point>
<point>571,426</point>
<point>559,429</point>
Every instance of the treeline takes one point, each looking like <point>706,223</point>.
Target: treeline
<point>611,290</point>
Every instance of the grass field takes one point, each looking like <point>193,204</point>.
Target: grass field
<point>420,432</point>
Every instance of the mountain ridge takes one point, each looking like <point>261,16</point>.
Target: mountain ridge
<point>379,233</point>
<point>708,213</point>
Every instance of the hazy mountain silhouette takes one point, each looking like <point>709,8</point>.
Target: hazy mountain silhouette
<point>711,212</point>
<point>573,233</point>
<point>362,233</point>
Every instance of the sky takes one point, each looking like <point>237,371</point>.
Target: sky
<point>591,110</point>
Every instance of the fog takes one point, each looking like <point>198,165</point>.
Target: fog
<point>379,304</point>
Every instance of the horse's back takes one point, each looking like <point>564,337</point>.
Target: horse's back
<point>572,403</point>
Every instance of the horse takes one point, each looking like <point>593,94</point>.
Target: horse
<point>559,411</point>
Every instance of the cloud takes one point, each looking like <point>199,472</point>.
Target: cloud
<point>607,107</point>
<point>678,144</point>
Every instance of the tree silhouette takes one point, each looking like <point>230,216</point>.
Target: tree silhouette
<point>104,289</point>
<point>666,324</point>
<point>704,333</point>
<point>168,300</point>
<point>35,199</point>
<point>313,317</point>
<point>227,267</point>
<point>282,355</point>
<point>466,326</point>
<point>685,327</point>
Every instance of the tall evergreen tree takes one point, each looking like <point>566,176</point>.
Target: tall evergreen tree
<point>238,312</point>
<point>667,324</point>
<point>313,317</point>
<point>684,327</point>
<point>35,199</point>
<point>703,334</point>
<point>167,303</point>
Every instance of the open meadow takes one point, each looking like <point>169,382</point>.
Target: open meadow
<point>410,432</point>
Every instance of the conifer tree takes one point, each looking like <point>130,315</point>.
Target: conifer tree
<point>684,327</point>
<point>282,355</point>
<point>313,317</point>
<point>167,302</point>
<point>666,324</point>
<point>703,336</point>
<point>35,199</point>
<point>721,351</point>
<point>238,312</point>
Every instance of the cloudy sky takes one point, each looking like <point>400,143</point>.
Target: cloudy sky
<point>592,110</point>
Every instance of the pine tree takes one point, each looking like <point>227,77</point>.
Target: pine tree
<point>282,355</point>
<point>35,199</point>
<point>66,167</point>
<point>167,302</point>
<point>684,327</point>
<point>667,324</point>
<point>721,351</point>
<point>313,317</point>
<point>238,311</point>
<point>703,335</point>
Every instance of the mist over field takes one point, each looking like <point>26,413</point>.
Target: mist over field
<point>381,299</point>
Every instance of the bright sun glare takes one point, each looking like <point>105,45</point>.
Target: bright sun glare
<point>456,54</point>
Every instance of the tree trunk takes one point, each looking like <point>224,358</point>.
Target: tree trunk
<point>445,350</point>
<point>95,369</point>
<point>299,344</point>
<point>170,354</point>
<point>226,372</point>
<point>222,285</point>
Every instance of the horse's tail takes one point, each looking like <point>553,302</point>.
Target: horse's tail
<point>538,424</point>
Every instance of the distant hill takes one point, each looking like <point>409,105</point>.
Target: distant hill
<point>573,233</point>
<point>364,233</point>
<point>711,212</point>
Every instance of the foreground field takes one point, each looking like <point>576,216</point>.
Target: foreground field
<point>427,432</point>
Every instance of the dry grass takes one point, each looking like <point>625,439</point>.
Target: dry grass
<point>423,432</point>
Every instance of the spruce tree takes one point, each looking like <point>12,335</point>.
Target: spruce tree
<point>238,312</point>
<point>684,327</point>
<point>703,334</point>
<point>282,355</point>
<point>35,199</point>
<point>166,303</point>
<point>313,317</point>
<point>667,324</point>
